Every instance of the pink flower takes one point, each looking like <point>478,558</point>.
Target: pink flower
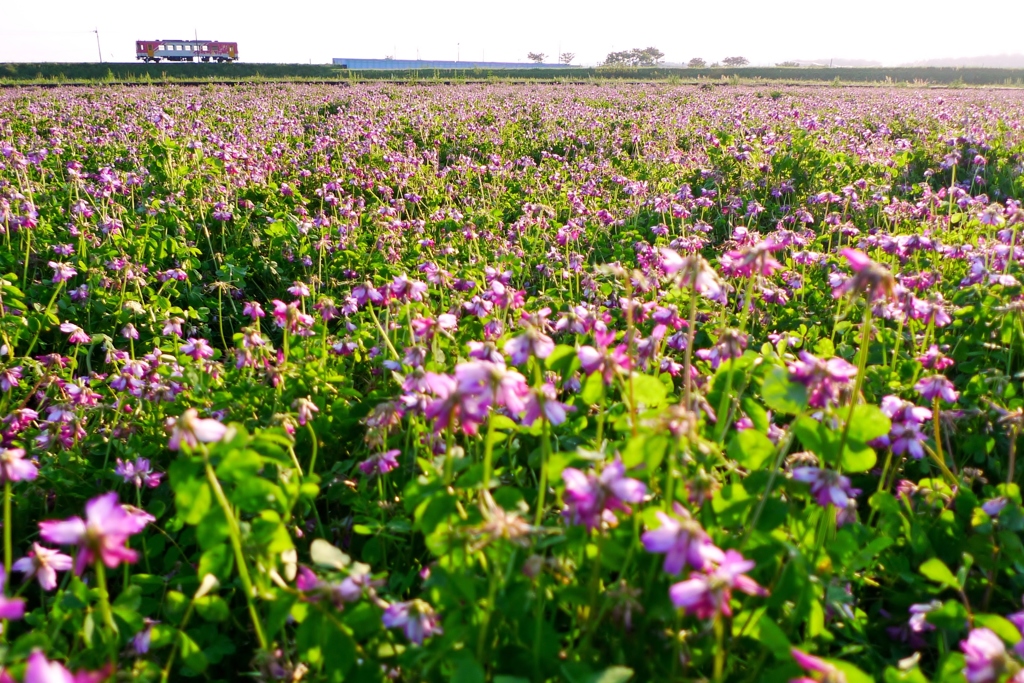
<point>380,463</point>
<point>193,430</point>
<point>532,342</point>
<point>822,378</point>
<point>197,349</point>
<point>40,670</point>
<point>937,386</point>
<point>101,536</point>
<point>812,664</point>
<point>828,487</point>
<point>14,466</point>
<point>9,378</point>
<point>62,271</point>
<point>305,409</point>
<point>682,540</point>
<point>78,335</point>
<point>43,563</point>
<point>707,594</point>
<point>544,400</point>
<point>140,473</point>
<point>985,656</point>
<point>416,618</point>
<point>10,608</point>
<point>591,499</point>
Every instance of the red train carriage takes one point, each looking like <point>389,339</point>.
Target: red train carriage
<point>186,50</point>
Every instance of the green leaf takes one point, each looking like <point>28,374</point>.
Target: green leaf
<point>648,390</point>
<point>218,561</point>
<point>858,457</point>
<point>468,671</point>
<point>782,395</point>
<point>936,570</point>
<point>868,423</point>
<point>192,495</point>
<point>593,388</point>
<point>339,654</point>
<point>561,358</point>
<point>750,448</point>
<point>191,654</point>
<point>1001,626</point>
<point>613,674</point>
<point>951,615</point>
<point>213,608</point>
<point>852,673</point>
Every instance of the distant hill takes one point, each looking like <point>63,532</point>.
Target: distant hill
<point>1014,61</point>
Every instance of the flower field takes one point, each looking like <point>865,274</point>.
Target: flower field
<point>511,383</point>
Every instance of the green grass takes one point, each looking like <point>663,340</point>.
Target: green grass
<point>138,72</point>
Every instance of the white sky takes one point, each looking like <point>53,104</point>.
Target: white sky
<point>764,31</point>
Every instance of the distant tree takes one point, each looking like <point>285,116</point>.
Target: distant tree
<point>537,57</point>
<point>696,63</point>
<point>388,57</point>
<point>566,57</point>
<point>735,61</point>
<point>788,64</point>
<point>650,56</point>
<point>714,65</point>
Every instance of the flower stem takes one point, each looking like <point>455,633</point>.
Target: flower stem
<point>101,584</point>
<point>312,457</point>
<point>236,544</point>
<point>8,546</point>
<point>545,453</point>
<point>719,648</point>
<point>488,452</point>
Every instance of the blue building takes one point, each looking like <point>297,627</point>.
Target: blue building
<point>402,64</point>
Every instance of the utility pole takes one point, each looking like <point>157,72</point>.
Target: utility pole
<point>458,51</point>
<point>98,50</point>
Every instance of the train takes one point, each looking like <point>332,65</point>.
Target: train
<point>186,51</point>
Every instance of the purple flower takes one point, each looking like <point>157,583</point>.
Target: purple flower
<point>822,378</point>
<point>305,409</point>
<point>380,463</point>
<point>985,654</point>
<point>41,670</point>
<point>197,349</point>
<point>416,618</point>
<point>62,272</point>
<point>813,665</point>
<point>591,499</point>
<point>544,400</point>
<point>707,594</point>
<point>828,487</point>
<point>683,542</point>
<point>9,378</point>
<point>10,608</point>
<point>78,335</point>
<point>43,563</point>
<point>918,622</point>
<point>193,430</point>
<point>604,359</point>
<point>101,535</point>
<point>937,386</point>
<point>253,310</point>
<point>14,466</point>
<point>872,280</point>
<point>994,506</point>
<point>139,472</point>
<point>492,383</point>
<point>532,342</point>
